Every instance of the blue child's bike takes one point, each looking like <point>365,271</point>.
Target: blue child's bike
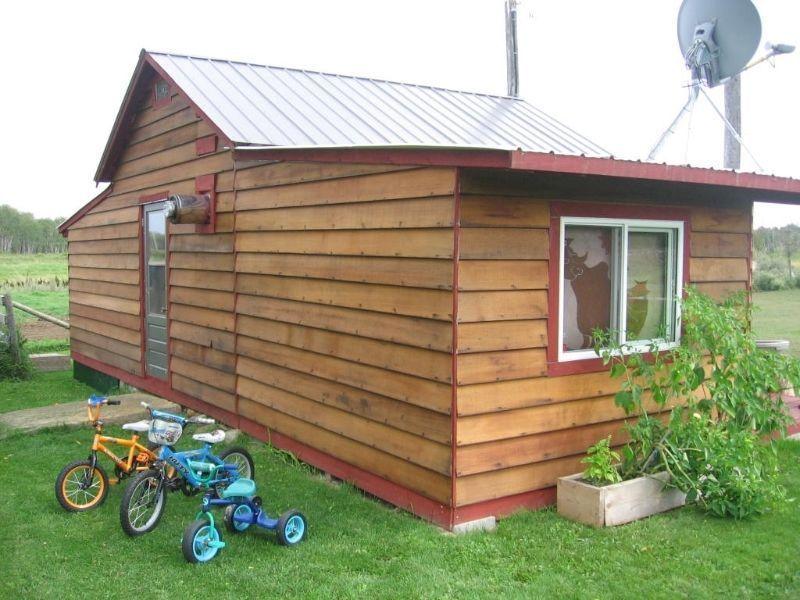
<point>201,538</point>
<point>146,495</point>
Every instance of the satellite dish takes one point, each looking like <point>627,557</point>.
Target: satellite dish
<point>718,37</point>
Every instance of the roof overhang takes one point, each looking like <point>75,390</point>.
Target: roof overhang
<point>753,186</point>
<point>64,227</point>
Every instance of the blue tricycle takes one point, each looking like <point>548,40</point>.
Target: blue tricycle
<point>201,539</point>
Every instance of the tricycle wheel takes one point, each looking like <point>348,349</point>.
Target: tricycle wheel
<point>198,542</point>
<point>79,487</point>
<point>292,527</point>
<point>241,511</point>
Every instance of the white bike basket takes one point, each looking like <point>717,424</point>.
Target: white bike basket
<point>164,433</point>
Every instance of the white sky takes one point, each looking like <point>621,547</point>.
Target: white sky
<point>609,69</point>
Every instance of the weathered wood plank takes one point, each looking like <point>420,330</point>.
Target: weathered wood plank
<point>205,317</point>
<point>424,273</point>
<point>201,261</point>
<point>216,300</point>
<point>389,214</point>
<point>104,261</point>
<point>118,304</point>
<point>413,243</point>
<point>222,361</point>
<point>720,245</point>
<point>103,232</point>
<point>213,163</point>
<point>482,367</point>
<point>502,335</point>
<point>283,173</point>
<point>415,302</point>
<point>169,139</point>
<point>178,119</point>
<point>718,269</point>
<point>423,333</point>
<point>721,290</point>
<point>394,357</point>
<point>194,278</point>
<point>501,306</point>
<point>415,390</point>
<point>203,336</point>
<point>158,160</point>
<point>127,321</point>
<point>130,351</point>
<point>116,246</point>
<point>504,211</point>
<point>128,276</point>
<point>395,413</point>
<point>723,220</point>
<point>474,275</point>
<point>221,242</point>
<point>504,243</point>
<point>118,290</point>
<point>129,214</point>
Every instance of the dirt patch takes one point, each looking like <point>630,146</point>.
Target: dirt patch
<point>42,330</point>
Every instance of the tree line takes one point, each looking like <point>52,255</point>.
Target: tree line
<point>776,251</point>
<point>22,233</point>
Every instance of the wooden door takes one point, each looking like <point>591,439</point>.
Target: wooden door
<point>155,276</point>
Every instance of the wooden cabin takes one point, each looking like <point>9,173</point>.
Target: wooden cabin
<point>394,282</point>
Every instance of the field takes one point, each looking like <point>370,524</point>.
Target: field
<point>777,316</point>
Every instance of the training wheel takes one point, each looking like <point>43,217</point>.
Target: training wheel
<point>292,528</point>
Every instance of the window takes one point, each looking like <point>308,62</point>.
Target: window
<point>622,275</point>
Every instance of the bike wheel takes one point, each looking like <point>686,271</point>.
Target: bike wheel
<point>292,528</point>
<point>79,487</point>
<point>242,459</point>
<point>143,503</point>
<point>239,510</point>
<point>199,541</point>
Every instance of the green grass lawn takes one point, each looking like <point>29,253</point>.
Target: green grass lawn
<point>360,548</point>
<point>22,268</point>
<point>777,316</point>
<point>44,389</point>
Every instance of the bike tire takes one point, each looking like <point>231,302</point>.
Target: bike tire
<point>241,457</point>
<point>136,494</point>
<point>80,501</point>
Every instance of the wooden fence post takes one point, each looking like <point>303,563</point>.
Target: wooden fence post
<point>11,327</point>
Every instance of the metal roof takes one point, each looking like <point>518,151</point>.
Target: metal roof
<point>257,105</point>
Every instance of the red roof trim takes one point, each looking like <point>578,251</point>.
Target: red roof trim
<point>771,188</point>
<point>62,229</point>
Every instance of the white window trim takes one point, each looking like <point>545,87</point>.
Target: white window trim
<point>676,269</point>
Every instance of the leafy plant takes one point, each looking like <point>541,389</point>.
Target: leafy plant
<point>10,368</point>
<point>600,460</point>
<point>724,396</point>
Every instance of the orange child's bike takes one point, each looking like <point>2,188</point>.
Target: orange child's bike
<point>83,484</point>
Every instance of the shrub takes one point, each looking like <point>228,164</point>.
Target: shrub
<point>9,367</point>
<point>726,394</point>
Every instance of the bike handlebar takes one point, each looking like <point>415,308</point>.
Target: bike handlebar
<point>203,420</point>
<point>114,402</point>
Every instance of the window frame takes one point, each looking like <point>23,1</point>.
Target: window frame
<point>560,362</point>
<point>674,231</point>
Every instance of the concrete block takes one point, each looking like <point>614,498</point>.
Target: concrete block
<point>484,524</point>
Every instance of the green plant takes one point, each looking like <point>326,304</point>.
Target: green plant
<point>724,396</point>
<point>600,460</point>
<point>12,367</point>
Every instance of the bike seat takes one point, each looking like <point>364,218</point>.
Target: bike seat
<point>139,426</point>
<point>241,488</point>
<point>213,437</point>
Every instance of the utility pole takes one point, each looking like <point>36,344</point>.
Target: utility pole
<point>512,65</point>
<point>733,112</point>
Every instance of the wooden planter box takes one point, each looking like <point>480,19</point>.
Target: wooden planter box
<point>617,503</point>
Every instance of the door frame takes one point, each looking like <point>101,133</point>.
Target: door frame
<point>143,202</point>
